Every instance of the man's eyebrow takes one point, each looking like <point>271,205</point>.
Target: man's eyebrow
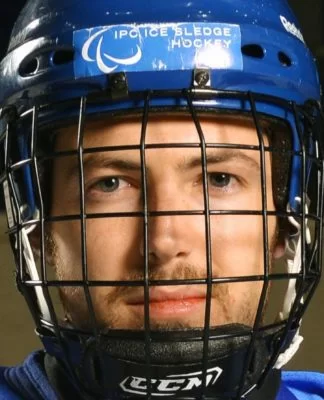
<point>217,157</point>
<point>104,161</point>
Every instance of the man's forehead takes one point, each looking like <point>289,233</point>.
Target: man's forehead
<point>160,128</point>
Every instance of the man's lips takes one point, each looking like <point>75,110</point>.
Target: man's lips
<point>171,294</point>
<point>168,303</point>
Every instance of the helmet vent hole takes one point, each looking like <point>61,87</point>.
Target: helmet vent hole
<point>61,57</point>
<point>253,50</point>
<point>284,59</point>
<point>29,67</point>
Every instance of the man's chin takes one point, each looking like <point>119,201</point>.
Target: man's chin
<point>107,327</point>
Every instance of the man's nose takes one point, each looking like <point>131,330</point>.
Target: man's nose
<point>170,236</point>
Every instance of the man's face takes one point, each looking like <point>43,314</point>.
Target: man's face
<point>115,245</point>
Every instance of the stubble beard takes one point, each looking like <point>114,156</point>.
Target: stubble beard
<point>106,303</point>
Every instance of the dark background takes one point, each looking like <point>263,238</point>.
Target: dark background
<point>16,327</point>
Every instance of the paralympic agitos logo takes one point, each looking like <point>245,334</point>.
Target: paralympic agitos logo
<point>171,384</point>
<point>95,50</point>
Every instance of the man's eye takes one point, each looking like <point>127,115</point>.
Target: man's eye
<point>110,184</point>
<point>220,179</point>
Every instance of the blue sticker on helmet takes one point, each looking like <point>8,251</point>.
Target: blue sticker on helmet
<point>157,47</point>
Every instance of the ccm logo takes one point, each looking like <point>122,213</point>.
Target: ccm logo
<point>171,384</point>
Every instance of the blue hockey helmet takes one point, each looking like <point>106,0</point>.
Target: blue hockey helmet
<point>73,60</point>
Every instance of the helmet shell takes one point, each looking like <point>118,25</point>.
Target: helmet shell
<point>42,55</point>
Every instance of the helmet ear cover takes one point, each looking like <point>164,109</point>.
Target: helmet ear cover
<point>280,146</point>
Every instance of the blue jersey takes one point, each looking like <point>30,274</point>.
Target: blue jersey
<point>29,382</point>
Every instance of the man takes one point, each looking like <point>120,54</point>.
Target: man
<point>162,171</point>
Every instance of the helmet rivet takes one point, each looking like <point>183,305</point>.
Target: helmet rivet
<point>201,78</point>
<point>118,81</point>
<point>118,85</point>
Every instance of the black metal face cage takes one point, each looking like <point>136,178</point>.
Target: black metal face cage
<point>72,345</point>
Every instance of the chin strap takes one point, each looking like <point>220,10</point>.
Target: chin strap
<point>32,271</point>
<point>116,368</point>
<point>293,252</point>
<point>28,256</point>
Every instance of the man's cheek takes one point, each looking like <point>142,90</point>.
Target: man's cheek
<point>236,255</point>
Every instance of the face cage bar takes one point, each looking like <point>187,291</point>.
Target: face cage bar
<point>306,280</point>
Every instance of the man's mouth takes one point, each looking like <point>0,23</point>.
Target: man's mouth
<point>171,302</point>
